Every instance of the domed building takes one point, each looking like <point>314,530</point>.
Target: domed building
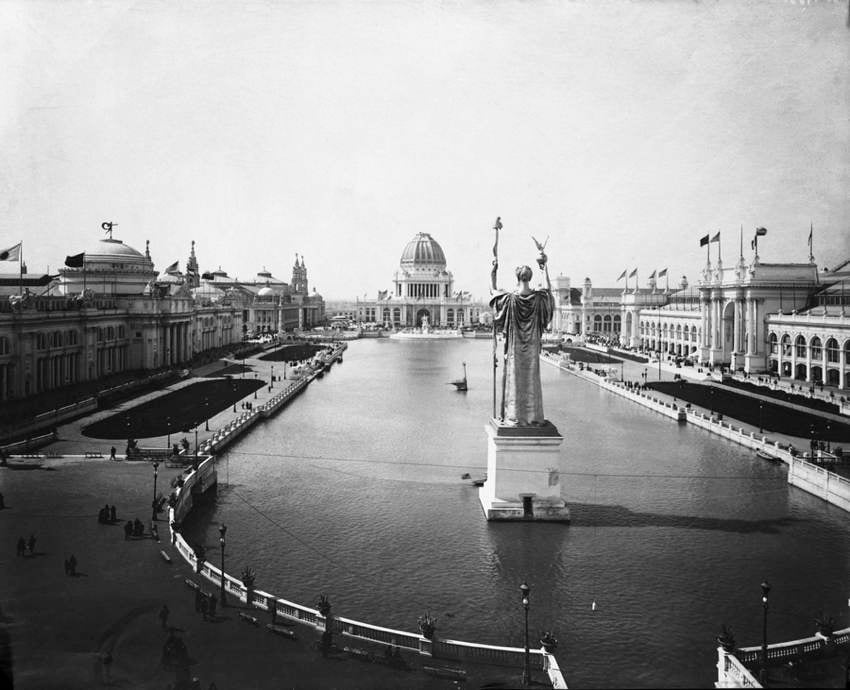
<point>110,267</point>
<point>422,289</point>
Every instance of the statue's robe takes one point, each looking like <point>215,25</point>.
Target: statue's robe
<point>523,319</point>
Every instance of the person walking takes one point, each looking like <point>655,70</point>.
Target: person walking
<point>163,616</point>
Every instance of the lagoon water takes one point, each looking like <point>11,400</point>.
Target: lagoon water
<point>354,490</point>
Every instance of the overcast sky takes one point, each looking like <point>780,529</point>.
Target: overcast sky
<point>624,130</point>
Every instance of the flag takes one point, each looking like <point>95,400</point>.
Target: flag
<point>703,241</point>
<point>498,224</point>
<point>622,275</point>
<point>651,275</point>
<point>172,268</point>
<point>811,230</point>
<point>633,274</point>
<point>716,238</point>
<point>662,273</point>
<point>11,254</point>
<point>752,244</point>
<point>761,231</point>
<point>75,261</point>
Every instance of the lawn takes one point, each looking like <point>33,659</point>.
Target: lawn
<point>771,417</point>
<point>175,412</point>
<point>580,354</point>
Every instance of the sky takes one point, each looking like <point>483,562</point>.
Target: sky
<point>622,130</point>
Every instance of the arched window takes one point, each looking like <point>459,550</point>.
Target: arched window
<point>617,323</point>
<point>800,345</point>
<point>786,345</point>
<point>597,323</point>
<point>817,350</point>
<point>396,315</point>
<point>774,344</point>
<point>450,316</point>
<point>832,351</point>
<point>606,323</point>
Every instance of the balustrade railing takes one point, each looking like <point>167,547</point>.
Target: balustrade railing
<point>491,654</point>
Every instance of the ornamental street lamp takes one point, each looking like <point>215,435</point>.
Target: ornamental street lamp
<point>207,412</point>
<point>222,531</point>
<point>153,503</point>
<point>272,383</point>
<point>526,669</point>
<point>828,430</point>
<point>761,424</point>
<point>168,425</point>
<point>765,590</point>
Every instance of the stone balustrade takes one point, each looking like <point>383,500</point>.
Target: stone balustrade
<point>454,649</point>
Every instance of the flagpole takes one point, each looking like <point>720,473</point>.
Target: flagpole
<point>21,270</point>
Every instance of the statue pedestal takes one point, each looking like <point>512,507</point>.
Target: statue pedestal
<point>523,474</point>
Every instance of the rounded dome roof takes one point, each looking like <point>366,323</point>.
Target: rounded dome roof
<point>114,250</point>
<point>265,292</point>
<point>423,250</point>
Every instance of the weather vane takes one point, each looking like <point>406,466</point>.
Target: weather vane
<point>107,227</point>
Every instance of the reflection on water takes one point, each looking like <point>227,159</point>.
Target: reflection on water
<point>355,490</point>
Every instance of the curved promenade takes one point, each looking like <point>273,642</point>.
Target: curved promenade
<point>283,609</point>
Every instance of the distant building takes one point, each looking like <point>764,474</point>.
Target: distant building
<point>422,288</point>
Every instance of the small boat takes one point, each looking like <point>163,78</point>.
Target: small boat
<point>475,481</point>
<point>460,384</point>
<point>764,455</point>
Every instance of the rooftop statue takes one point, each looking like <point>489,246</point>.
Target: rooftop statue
<point>522,316</point>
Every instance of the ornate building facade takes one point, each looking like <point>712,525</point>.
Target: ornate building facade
<point>422,288</point>
<point>786,319</point>
<point>114,313</point>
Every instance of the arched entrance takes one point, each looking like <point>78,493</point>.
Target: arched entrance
<point>423,314</point>
<point>727,332</point>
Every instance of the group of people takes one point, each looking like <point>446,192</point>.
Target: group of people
<point>26,547</point>
<point>134,528</point>
<point>107,515</point>
<point>247,405</point>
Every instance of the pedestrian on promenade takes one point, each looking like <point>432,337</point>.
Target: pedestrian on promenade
<point>31,544</point>
<point>72,565</point>
<point>163,616</point>
<point>212,606</point>
<point>112,513</point>
<point>112,453</point>
<point>22,547</point>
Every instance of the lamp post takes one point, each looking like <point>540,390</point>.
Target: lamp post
<point>153,503</point>
<point>222,531</point>
<point>765,590</point>
<point>207,412</point>
<point>761,424</point>
<point>828,430</point>
<point>526,669</point>
<point>272,383</point>
<point>711,401</point>
<point>196,445</point>
<point>168,425</point>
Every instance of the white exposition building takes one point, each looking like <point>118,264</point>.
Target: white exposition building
<point>422,288</point>
<point>791,320</point>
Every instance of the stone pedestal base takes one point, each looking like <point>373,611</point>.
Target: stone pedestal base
<point>523,474</point>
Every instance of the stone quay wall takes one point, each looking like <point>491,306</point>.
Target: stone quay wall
<point>802,474</point>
